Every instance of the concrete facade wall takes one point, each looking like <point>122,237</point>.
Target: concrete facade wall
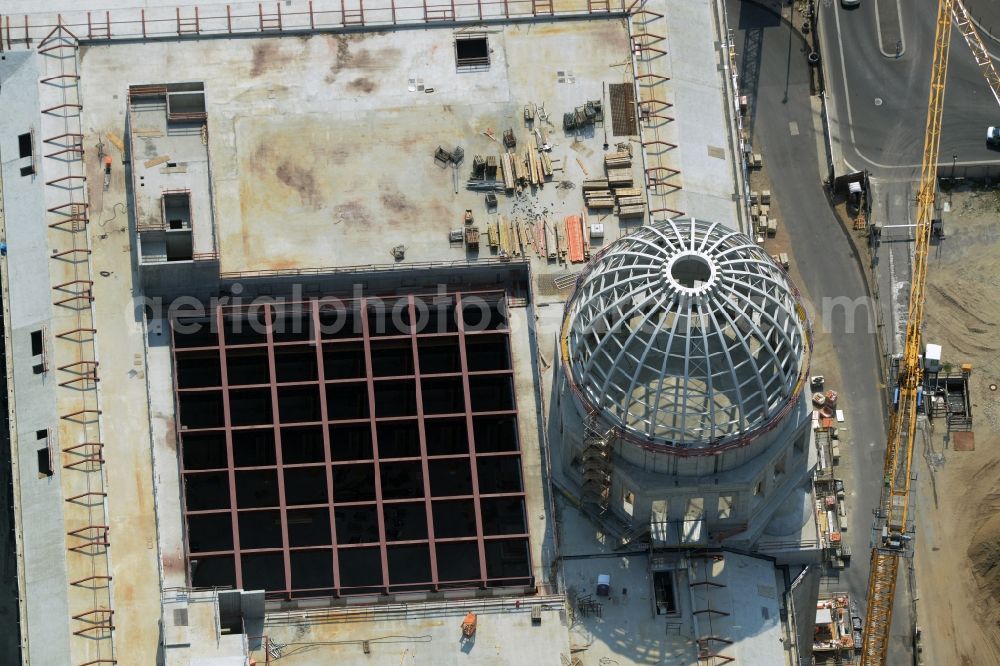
<point>202,281</point>
<point>802,608</point>
<point>40,514</point>
<point>750,479</point>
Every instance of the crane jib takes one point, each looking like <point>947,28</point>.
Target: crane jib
<point>892,532</point>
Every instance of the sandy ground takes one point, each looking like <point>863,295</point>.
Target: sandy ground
<point>958,527</point>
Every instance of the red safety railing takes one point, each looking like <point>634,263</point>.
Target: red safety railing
<point>268,18</point>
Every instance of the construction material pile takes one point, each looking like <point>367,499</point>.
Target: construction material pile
<point>615,191</point>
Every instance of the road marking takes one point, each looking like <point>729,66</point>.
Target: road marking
<point>793,128</point>
<point>850,116</point>
<point>898,49</point>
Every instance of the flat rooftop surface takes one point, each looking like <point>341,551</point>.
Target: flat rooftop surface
<point>422,635</point>
<point>629,628</point>
<point>321,155</point>
<point>321,147</point>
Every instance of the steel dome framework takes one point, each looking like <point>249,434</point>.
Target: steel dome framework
<point>685,334</point>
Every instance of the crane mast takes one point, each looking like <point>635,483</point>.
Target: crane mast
<point>891,538</point>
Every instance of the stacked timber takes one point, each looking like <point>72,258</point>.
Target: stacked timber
<point>622,192</point>
<point>546,166</point>
<point>561,245</point>
<point>523,234</point>
<point>551,249</point>
<point>618,160</point>
<point>598,198</point>
<point>520,169</point>
<point>514,241</point>
<point>493,233</point>
<point>538,230</point>
<point>505,240</point>
<point>535,164</point>
<point>619,177</point>
<point>595,184</point>
<point>638,210</point>
<point>507,169</point>
<point>632,207</point>
<point>631,201</point>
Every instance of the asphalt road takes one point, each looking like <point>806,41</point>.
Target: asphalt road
<point>787,133</point>
<point>881,102</point>
<point>986,13</point>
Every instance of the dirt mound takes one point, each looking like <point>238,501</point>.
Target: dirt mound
<point>984,553</point>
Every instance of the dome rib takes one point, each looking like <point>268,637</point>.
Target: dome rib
<point>685,333</point>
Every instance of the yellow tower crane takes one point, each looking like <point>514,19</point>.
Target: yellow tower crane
<point>892,539</point>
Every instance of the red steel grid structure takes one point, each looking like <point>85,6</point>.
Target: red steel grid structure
<point>493,546</point>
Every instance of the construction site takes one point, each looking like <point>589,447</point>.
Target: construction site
<point>408,335</point>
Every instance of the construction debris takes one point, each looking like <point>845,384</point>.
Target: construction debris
<point>585,115</point>
<point>156,161</point>
<point>508,139</point>
<point>116,141</point>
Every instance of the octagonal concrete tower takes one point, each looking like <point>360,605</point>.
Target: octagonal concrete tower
<point>684,352</point>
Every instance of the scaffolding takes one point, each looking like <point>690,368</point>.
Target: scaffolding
<point>84,515</point>
<point>651,107</point>
<point>710,643</point>
<point>595,462</point>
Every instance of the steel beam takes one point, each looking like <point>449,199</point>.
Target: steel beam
<point>228,425</point>
<point>279,463</point>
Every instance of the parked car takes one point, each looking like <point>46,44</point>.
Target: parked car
<point>993,136</point>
